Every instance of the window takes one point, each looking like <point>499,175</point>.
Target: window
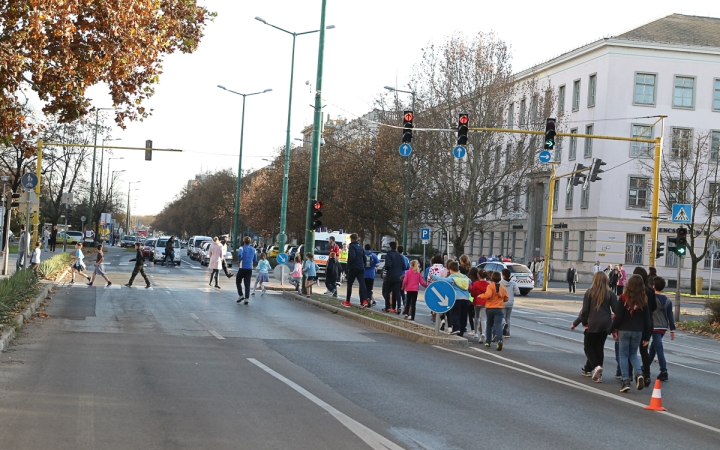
<point>497,159</point>
<point>683,95</point>
<point>506,197</point>
<point>715,146</point>
<point>508,155</point>
<point>714,198</point>
<point>516,199</point>
<point>569,195</point>
<point>576,95</point>
<point>645,89</point>
<point>585,198</point>
<point>522,120</point>
<point>592,88</point>
<point>556,195</point>
<point>681,142</point>
<point>671,259</point>
<point>502,243</point>
<point>491,250</point>
<point>712,256</point>
<point>561,99</point>
<point>678,190</point>
<point>581,246</point>
<point>638,193</point>
<point>558,149</point>
<point>588,141</point>
<point>534,110</point>
<point>634,249</point>
<point>573,145</point>
<point>511,115</point>
<point>513,238</point>
<point>716,95</point>
<point>566,245</point>
<point>641,149</point>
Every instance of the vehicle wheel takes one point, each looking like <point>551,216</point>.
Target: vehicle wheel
<point>524,292</point>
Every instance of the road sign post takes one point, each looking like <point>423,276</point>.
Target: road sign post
<point>425,238</point>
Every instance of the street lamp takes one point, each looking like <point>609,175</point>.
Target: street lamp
<point>108,178</point>
<point>92,172</point>
<point>4,179</point>
<point>102,162</point>
<point>406,197</point>
<point>239,180</point>
<point>286,171</point>
<point>127,218</point>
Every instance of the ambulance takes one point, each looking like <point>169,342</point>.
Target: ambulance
<point>322,248</point>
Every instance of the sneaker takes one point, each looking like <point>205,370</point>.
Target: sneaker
<point>147,286</point>
<point>663,376</point>
<point>599,380</point>
<point>640,383</point>
<point>217,286</point>
<point>128,285</point>
<point>391,310</point>
<point>398,312</point>
<point>241,298</point>
<point>625,386</point>
<point>245,302</point>
<point>647,380</point>
<point>334,294</point>
<point>253,293</point>
<point>345,304</point>
<point>487,344</point>
<point>597,373</point>
<point>505,330</point>
<point>499,345</point>
<point>406,316</point>
<point>585,373</point>
<point>450,330</point>
<point>385,310</point>
<point>471,334</point>
<point>482,338</point>
<point>109,284</point>
<point>442,325</point>
<point>263,291</point>
<point>89,284</point>
<point>364,303</point>
<point>327,293</point>
<point>454,332</point>
<point>411,320</point>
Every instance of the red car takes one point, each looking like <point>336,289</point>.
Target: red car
<point>148,247</point>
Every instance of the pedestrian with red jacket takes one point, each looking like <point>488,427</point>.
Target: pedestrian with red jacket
<point>479,286</point>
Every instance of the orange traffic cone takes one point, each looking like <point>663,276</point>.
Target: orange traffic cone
<point>656,400</point>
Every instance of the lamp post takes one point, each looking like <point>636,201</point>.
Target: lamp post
<point>283,205</point>
<point>239,180</point>
<point>102,162</point>
<point>406,197</point>
<point>4,179</point>
<point>107,184</point>
<point>92,172</point>
<point>127,218</point>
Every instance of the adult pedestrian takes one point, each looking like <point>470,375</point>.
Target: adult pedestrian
<point>332,274</point>
<point>394,266</point>
<point>170,250</point>
<point>622,279</point>
<point>540,266</point>
<point>100,267</point>
<point>53,238</point>
<point>216,254</point>
<point>23,248</point>
<point>223,242</point>
<point>247,258</point>
<point>652,306</point>
<point>371,263</point>
<point>571,278</point>
<point>597,267</point>
<point>139,267</point>
<point>599,304</point>
<point>482,259</point>
<point>344,255</point>
<point>662,321</point>
<point>533,268</point>
<point>333,246</point>
<point>46,238</point>
<point>652,273</point>
<point>614,276</point>
<point>633,324</point>
<point>355,270</point>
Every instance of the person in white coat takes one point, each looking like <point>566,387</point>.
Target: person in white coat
<point>216,257</point>
<point>512,289</point>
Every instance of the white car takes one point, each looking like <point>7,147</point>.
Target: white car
<point>520,274</point>
<point>159,250</point>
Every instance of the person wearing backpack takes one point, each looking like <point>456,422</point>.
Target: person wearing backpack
<point>496,296</point>
<point>371,262</point>
<point>355,271</point>
<point>461,284</point>
<point>663,320</point>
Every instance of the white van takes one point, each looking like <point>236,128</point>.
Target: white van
<point>321,251</point>
<point>193,247</point>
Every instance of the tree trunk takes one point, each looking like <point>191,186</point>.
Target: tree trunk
<point>693,274</point>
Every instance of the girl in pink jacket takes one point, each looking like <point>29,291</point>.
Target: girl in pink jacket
<point>411,285</point>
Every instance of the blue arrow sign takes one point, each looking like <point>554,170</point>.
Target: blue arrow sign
<point>459,151</point>
<point>544,156</point>
<point>425,234</point>
<point>281,258</point>
<point>29,181</point>
<point>405,150</point>
<point>681,213</point>
<point>440,297</point>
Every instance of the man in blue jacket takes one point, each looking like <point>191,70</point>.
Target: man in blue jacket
<point>371,262</point>
<point>355,271</point>
<point>394,267</point>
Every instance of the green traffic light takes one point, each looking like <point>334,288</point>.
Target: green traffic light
<point>681,251</point>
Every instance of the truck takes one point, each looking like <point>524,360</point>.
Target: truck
<point>321,251</point>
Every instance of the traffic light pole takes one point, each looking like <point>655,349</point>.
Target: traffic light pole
<point>656,200</point>
<point>677,291</point>
<point>406,197</point>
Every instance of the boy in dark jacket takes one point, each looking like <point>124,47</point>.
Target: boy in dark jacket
<point>663,320</point>
<point>139,262</point>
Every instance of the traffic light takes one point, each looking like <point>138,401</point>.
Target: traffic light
<point>595,169</point>
<point>148,150</point>
<point>463,122</point>
<point>408,117</point>
<point>660,250</point>
<point>577,178</point>
<point>549,134</point>
<point>15,203</point>
<point>316,214</point>
<point>672,245</point>
<point>681,234</point>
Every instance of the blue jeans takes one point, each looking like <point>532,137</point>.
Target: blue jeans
<point>20,262</point>
<point>656,346</point>
<point>628,346</point>
<point>494,323</point>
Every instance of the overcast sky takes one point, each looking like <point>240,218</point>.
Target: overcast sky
<point>375,43</point>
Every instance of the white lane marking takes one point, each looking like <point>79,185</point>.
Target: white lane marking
<point>568,382</point>
<point>194,316</point>
<point>693,368</point>
<point>123,264</point>
<point>216,334</point>
<point>168,292</point>
<point>671,343</point>
<point>179,302</point>
<point>371,438</point>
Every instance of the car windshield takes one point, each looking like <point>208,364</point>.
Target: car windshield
<point>322,247</point>
<point>126,238</point>
<point>518,268</point>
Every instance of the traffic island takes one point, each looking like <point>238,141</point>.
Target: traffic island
<point>385,322</point>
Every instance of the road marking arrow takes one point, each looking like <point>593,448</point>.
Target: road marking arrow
<point>445,300</point>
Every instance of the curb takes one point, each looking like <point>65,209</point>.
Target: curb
<point>9,335</point>
<point>384,326</point>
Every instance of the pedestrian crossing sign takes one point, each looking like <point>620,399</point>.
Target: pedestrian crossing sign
<point>681,213</point>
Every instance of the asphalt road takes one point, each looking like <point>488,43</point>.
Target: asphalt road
<point>183,366</point>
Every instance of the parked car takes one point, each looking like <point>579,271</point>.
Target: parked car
<point>193,248</point>
<point>205,258</point>
<point>291,252</point>
<point>273,251</point>
<point>183,243</point>
<point>159,250</point>
<point>379,268</point>
<point>69,237</point>
<point>128,241</point>
<point>419,258</point>
<point>148,248</point>
<point>520,274</point>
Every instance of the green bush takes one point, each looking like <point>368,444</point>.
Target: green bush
<point>50,268</point>
<point>713,305</point>
<point>15,292</point>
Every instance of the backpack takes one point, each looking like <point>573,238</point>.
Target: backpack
<point>660,316</point>
<point>369,261</point>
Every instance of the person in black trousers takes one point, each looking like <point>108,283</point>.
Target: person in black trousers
<point>394,266</point>
<point>53,239</point>
<point>356,271</point>
<point>139,262</point>
<point>572,278</point>
<point>652,306</point>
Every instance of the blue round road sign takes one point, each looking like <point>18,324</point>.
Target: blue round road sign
<point>405,150</point>
<point>544,156</point>
<point>29,180</point>
<point>459,151</point>
<point>282,258</point>
<point>440,297</point>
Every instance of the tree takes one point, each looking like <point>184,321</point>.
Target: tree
<point>689,174</point>
<point>60,48</point>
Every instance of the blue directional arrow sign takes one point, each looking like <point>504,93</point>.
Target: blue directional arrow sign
<point>440,297</point>
<point>281,258</point>
<point>681,213</point>
<point>425,234</point>
<point>459,151</point>
<point>29,181</point>
<point>405,150</point>
<point>544,156</point>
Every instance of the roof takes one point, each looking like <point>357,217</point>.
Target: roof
<point>678,29</point>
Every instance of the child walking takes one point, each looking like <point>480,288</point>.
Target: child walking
<point>479,286</point>
<point>461,284</point>
<point>512,289</point>
<point>99,267</point>
<point>310,271</point>
<point>78,264</point>
<point>662,320</point>
<point>296,275</point>
<point>411,284</point>
<point>35,258</point>
<point>496,296</point>
<point>263,268</point>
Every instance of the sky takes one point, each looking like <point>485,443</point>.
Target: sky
<point>375,43</point>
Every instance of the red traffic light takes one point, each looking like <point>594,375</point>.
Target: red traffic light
<point>316,205</point>
<point>464,119</point>
<point>408,116</point>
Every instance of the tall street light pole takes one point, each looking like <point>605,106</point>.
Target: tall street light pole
<point>92,172</point>
<point>127,217</point>
<point>102,163</point>
<point>406,197</point>
<point>317,126</point>
<point>239,179</point>
<point>286,172</point>
<point>107,184</point>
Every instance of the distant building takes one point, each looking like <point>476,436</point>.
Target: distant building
<point>198,179</point>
